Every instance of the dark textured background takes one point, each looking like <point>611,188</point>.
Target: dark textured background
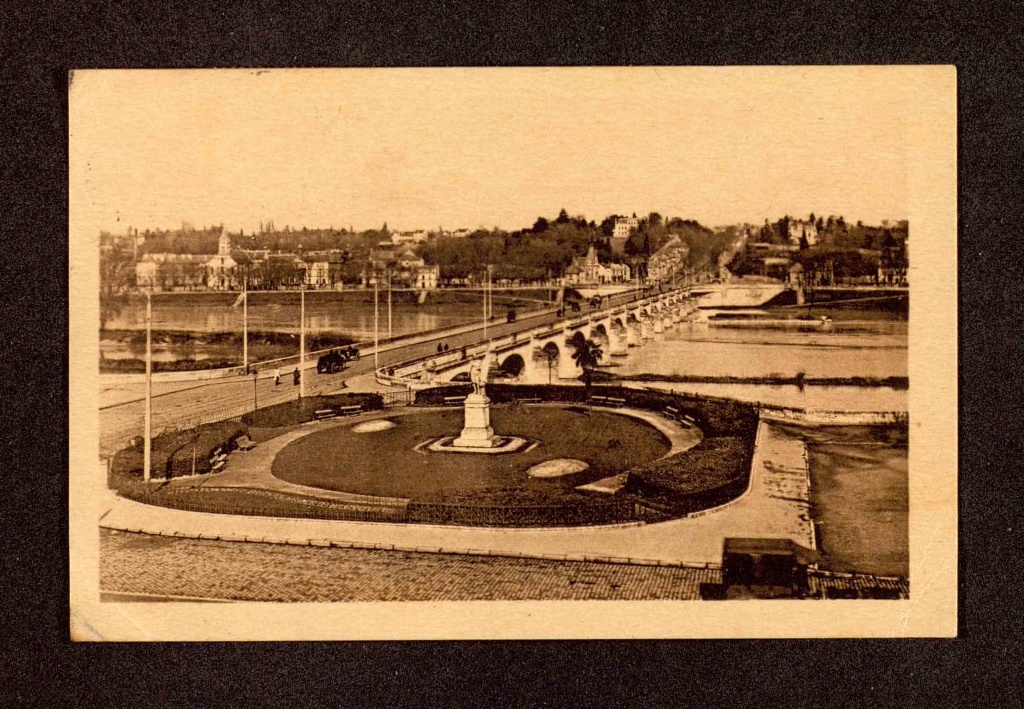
<point>40,42</point>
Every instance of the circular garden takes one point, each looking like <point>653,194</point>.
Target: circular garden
<point>570,446</point>
<point>394,463</point>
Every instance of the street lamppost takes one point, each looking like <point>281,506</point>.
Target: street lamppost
<point>245,322</point>
<point>487,303</point>
<point>389,305</point>
<point>376,318</point>
<point>255,404</point>
<point>302,341</point>
<point>148,434</point>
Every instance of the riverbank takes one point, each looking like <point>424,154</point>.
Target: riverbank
<point>902,383</point>
<point>123,351</point>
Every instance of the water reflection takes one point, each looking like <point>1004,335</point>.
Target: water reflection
<point>354,319</point>
<point>844,398</point>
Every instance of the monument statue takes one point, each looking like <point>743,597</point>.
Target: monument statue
<point>478,372</point>
<point>477,432</point>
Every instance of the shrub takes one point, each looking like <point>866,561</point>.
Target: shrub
<point>715,470</point>
<point>292,413</point>
<point>172,452</point>
<point>132,366</point>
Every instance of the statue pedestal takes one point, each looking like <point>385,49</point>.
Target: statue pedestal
<point>477,432</point>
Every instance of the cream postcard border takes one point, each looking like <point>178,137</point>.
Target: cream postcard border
<point>930,97</point>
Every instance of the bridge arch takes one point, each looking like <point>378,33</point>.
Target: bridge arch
<point>514,364</point>
<point>547,360</point>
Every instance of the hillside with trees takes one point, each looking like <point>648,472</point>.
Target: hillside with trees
<point>548,247</point>
<point>840,253</point>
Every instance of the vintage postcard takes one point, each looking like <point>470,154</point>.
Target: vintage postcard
<point>642,352</point>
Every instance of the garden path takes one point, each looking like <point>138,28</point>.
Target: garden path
<point>775,506</point>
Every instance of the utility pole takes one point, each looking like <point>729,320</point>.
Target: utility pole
<point>148,435</point>
<point>389,305</point>
<point>376,318</point>
<point>245,322</point>
<point>302,343</point>
<point>485,299</point>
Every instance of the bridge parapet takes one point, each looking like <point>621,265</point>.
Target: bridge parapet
<point>420,372</point>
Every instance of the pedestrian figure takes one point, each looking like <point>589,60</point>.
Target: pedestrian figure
<point>277,376</point>
<point>446,347</point>
<point>296,376</point>
<point>440,347</point>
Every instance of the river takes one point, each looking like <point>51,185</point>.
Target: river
<point>347,313</point>
<point>853,349</point>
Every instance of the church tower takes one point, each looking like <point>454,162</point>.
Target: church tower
<point>224,244</point>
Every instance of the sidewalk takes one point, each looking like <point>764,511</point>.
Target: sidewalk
<point>775,505</point>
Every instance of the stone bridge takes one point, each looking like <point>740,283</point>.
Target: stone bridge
<point>544,354</point>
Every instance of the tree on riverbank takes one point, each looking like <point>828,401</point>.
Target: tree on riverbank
<point>587,354</point>
<point>117,279</point>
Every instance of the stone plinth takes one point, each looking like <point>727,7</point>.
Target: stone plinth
<point>477,432</point>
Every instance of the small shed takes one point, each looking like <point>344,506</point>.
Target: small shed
<point>766,562</point>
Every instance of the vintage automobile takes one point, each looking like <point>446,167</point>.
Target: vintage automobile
<point>336,360</point>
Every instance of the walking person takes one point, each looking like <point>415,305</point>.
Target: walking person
<point>277,376</point>
<point>295,377</point>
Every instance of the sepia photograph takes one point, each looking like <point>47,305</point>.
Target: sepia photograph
<point>513,353</point>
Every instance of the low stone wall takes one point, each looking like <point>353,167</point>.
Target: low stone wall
<point>819,417</point>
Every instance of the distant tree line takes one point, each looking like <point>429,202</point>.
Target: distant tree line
<point>841,253</point>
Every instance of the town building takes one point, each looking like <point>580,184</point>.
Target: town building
<point>323,269</point>
<point>798,228</point>
<point>409,237</point>
<point>169,272</point>
<point>624,226</point>
<point>588,270</point>
<point>405,268</point>
<point>667,261</point>
<point>230,269</point>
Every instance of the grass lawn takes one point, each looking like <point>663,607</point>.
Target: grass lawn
<point>384,463</point>
<point>859,497</point>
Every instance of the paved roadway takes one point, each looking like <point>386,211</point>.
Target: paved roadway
<point>137,567</point>
<point>191,403</point>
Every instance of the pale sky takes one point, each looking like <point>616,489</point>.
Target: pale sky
<point>484,147</point>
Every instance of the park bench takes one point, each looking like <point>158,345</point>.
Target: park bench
<point>454,400</point>
<point>216,466</point>
<point>324,414</point>
<point>349,409</point>
<point>531,400</point>
<point>687,421</point>
<point>245,443</point>
<point>671,412</point>
<point>613,401</point>
<point>599,399</point>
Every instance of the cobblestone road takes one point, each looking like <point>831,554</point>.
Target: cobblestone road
<point>144,564</point>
